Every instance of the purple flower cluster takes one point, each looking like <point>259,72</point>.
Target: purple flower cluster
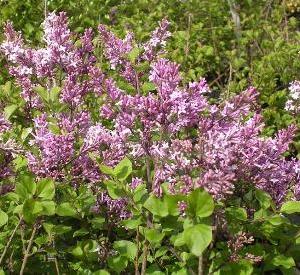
<point>158,39</point>
<point>4,124</point>
<point>56,150</point>
<point>189,142</point>
<point>113,209</point>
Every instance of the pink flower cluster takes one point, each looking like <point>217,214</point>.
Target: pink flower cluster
<point>190,142</point>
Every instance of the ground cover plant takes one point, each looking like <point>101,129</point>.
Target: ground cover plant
<point>114,162</point>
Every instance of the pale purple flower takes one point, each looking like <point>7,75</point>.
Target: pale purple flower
<point>158,39</point>
<point>4,124</point>
<point>182,205</point>
<point>135,182</point>
<point>293,103</point>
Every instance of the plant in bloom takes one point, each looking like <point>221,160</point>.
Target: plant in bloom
<point>189,142</point>
<point>86,121</point>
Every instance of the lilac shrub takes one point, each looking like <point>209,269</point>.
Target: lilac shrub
<point>187,142</point>
<point>124,162</point>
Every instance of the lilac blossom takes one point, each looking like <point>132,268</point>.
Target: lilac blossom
<point>135,182</point>
<point>292,103</point>
<point>158,39</point>
<point>116,50</point>
<point>189,142</point>
<point>4,124</point>
<point>55,150</point>
<point>112,209</point>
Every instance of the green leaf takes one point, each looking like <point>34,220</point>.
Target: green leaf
<point>20,162</point>
<point>171,203</point>
<point>148,86</point>
<point>124,85</point>
<point>123,169</point>
<point>45,189</point>
<point>277,220</point>
<point>18,209</point>
<point>48,227</point>
<point>42,92</point>
<point>25,133</point>
<point>182,271</point>
<point>62,229</point>
<point>101,272</point>
<point>9,110</point>
<point>163,250</point>
<point>66,210</point>
<point>282,260</point>
<point>261,214</point>
<point>41,240</point>
<point>133,54</point>
<point>140,193</point>
<point>77,251</point>
<point>80,232</point>
<point>197,238</point>
<point>156,206</point>
<point>132,223</point>
<point>236,213</point>
<point>153,235</point>
<point>11,196</point>
<point>6,88</point>
<point>126,248</point>
<point>26,187</point>
<point>178,239</point>
<point>54,93</point>
<point>98,222</point>
<point>264,198</point>
<point>290,207</point>
<point>117,263</point>
<point>142,66</point>
<point>242,267</point>
<point>48,208</point>
<point>114,189</point>
<point>3,218</point>
<point>31,210</point>
<point>106,170</point>
<point>200,203</point>
<point>90,246</point>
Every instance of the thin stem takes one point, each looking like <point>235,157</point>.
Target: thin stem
<point>9,241</point>
<point>187,45</point>
<point>55,260</point>
<point>286,28</point>
<point>148,171</point>
<point>23,240</point>
<point>200,265</point>
<point>145,255</point>
<point>235,19</point>
<point>11,262</point>
<point>56,266</point>
<point>137,83</point>
<point>136,263</point>
<point>26,256</point>
<point>45,8</point>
